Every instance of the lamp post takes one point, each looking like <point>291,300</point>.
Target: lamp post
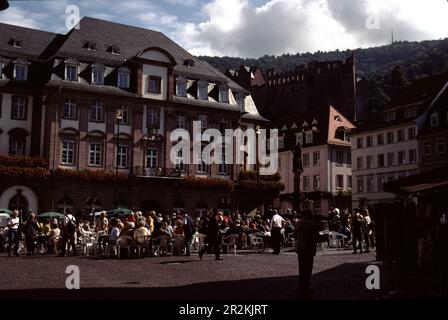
<point>297,170</point>
<point>118,118</point>
<point>257,132</point>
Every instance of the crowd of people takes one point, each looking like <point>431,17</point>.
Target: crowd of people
<point>277,230</point>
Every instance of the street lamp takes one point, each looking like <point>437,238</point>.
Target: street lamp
<point>118,119</point>
<point>258,132</point>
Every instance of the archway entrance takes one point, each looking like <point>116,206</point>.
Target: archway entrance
<point>18,202</point>
<point>21,198</point>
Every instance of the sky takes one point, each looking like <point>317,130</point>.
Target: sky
<point>252,28</point>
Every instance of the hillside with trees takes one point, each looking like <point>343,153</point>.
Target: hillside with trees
<point>416,60</point>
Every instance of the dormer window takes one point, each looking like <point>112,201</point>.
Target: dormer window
<point>16,43</point>
<point>98,73</point>
<point>114,50</point>
<point>203,90</point>
<point>390,116</point>
<point>223,93</point>
<point>299,138</point>
<point>434,120</point>
<point>240,100</point>
<point>410,112</point>
<point>309,137</point>
<point>21,69</point>
<point>124,75</point>
<point>90,46</point>
<point>181,86</point>
<point>155,84</point>
<point>189,62</point>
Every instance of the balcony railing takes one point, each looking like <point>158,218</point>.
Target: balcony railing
<point>157,172</point>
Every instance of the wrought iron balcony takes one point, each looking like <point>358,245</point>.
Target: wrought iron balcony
<point>157,172</point>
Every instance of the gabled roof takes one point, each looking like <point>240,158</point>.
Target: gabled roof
<point>325,122</point>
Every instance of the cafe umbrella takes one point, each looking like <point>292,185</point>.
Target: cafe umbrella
<point>5,211</point>
<point>50,214</point>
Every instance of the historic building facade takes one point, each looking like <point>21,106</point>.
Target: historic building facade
<point>325,137</point>
<point>386,147</point>
<point>98,105</point>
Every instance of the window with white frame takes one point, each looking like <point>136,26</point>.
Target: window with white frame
<point>360,163</point>
<point>306,159</point>
<point>152,118</point>
<point>440,142</point>
<point>359,143</point>
<point>316,182</point>
<point>97,75</point>
<point>349,158</point>
<point>180,121</point>
<point>381,162</point>
<point>306,183</point>
<point>380,139</point>
<point>223,167</point>
<point>203,90</point>
<point>155,84</point>
<point>122,156</point>
<point>20,71</point>
<point>381,180</point>
<point>181,86</point>
<point>309,137</point>
<point>151,158</point>
<point>124,77</point>
<point>69,109</point>
<point>316,158</point>
<point>369,160</point>
<point>434,119</point>
<point>96,111</point>
<point>124,115</point>
<point>400,135</point>
<point>71,72</point>
<point>17,146</point>
<point>95,154</point>
<point>412,156</point>
<point>411,133</point>
<point>201,166</point>
<point>369,141</point>
<point>349,182</point>
<point>339,181</point>
<point>401,157</point>
<point>410,112</point>
<point>390,116</point>
<point>370,183</point>
<point>68,152</point>
<point>18,108</point>
<point>390,159</point>
<point>360,184</point>
<point>390,137</point>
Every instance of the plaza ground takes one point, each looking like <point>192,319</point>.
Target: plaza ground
<point>336,275</point>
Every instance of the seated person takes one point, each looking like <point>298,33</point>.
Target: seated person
<point>114,232</point>
<point>141,232</point>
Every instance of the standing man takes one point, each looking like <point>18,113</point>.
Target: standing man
<point>189,230</point>
<point>276,226</point>
<point>68,233</point>
<point>357,230</point>
<point>214,234</point>
<point>366,231</point>
<point>307,234</point>
<point>13,236</point>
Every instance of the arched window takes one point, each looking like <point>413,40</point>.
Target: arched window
<point>94,204</point>
<point>18,202</point>
<point>201,209</point>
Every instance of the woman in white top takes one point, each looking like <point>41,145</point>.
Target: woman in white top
<point>13,239</point>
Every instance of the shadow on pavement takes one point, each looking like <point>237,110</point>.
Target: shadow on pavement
<point>347,281</point>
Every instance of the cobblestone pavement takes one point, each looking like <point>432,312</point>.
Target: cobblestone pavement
<point>336,275</point>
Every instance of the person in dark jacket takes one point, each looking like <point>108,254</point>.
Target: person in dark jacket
<point>189,230</point>
<point>214,234</point>
<point>31,230</point>
<point>357,230</point>
<point>307,234</point>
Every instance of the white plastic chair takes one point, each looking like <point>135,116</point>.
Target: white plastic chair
<point>142,242</point>
<point>123,242</point>
<point>87,243</point>
<point>232,243</point>
<point>256,243</point>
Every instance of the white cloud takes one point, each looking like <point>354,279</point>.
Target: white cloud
<point>187,3</point>
<point>19,17</point>
<point>235,27</point>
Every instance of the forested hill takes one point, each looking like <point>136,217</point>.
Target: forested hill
<point>417,58</point>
